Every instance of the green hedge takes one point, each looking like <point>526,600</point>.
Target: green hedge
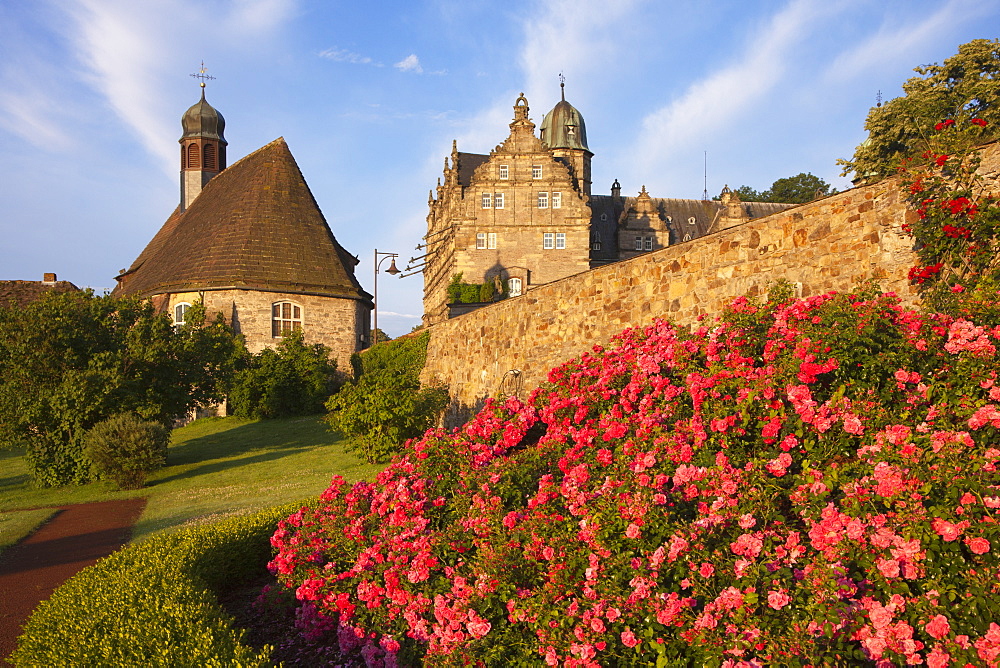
<point>155,603</point>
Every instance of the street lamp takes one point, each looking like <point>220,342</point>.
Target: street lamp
<point>391,270</point>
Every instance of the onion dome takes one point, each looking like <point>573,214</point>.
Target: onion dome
<point>563,127</point>
<point>203,120</point>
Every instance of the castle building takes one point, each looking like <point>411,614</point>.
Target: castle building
<point>524,214</point>
<point>250,242</point>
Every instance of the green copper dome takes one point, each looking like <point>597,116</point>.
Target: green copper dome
<point>203,120</point>
<point>563,127</point>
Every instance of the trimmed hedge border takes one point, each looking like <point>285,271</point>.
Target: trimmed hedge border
<point>155,603</point>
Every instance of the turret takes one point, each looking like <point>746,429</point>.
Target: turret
<point>203,148</point>
<point>564,131</point>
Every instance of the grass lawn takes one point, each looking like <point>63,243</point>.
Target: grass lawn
<point>215,467</point>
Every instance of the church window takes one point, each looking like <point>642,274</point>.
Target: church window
<point>192,161</point>
<point>556,200</point>
<point>180,313</point>
<point>504,172</point>
<point>648,242</point>
<point>285,317</point>
<point>536,171</point>
<point>208,156</point>
<point>514,287</point>
<point>487,200</point>
<point>543,200</point>
<point>638,243</point>
<point>481,240</point>
<point>548,240</point>
<point>497,200</point>
<point>491,240</point>
<point>560,240</point>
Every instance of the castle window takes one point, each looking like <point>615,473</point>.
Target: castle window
<point>536,171</point>
<point>648,241</point>
<point>556,200</point>
<point>491,240</point>
<point>687,237</point>
<point>180,313</point>
<point>497,200</point>
<point>285,317</point>
<point>638,243</point>
<point>504,172</point>
<point>192,161</point>
<point>208,156</point>
<point>595,241</point>
<point>691,220</point>
<point>514,287</point>
<point>560,240</point>
<point>670,219</point>
<point>548,240</point>
<point>604,217</point>
<point>481,240</point>
<point>543,200</point>
<point>487,201</point>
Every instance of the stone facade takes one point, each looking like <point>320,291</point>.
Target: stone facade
<point>339,324</point>
<point>836,243</point>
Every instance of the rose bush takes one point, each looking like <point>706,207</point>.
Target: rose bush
<point>806,481</point>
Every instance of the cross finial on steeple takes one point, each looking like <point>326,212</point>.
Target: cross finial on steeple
<point>201,74</point>
<point>562,86</point>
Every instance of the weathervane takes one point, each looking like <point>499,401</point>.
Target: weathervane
<point>562,86</point>
<point>201,74</point>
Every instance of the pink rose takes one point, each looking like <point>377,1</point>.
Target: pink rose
<point>629,639</point>
<point>978,545</point>
<point>633,531</point>
<point>778,599</point>
<point>706,569</point>
<point>938,627</point>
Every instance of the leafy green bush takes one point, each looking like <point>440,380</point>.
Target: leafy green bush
<point>125,448</point>
<point>385,405</point>
<point>155,603</point>
<point>295,379</point>
<point>460,292</point>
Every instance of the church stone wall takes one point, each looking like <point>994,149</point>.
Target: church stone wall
<point>835,243</point>
<point>338,323</point>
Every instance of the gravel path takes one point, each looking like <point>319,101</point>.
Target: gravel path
<point>76,537</point>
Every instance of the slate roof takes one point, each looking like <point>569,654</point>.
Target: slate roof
<point>22,293</point>
<point>467,163</point>
<point>255,226</point>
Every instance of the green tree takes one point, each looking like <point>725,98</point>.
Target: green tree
<point>965,86</point>
<point>70,360</point>
<point>385,405</point>
<point>294,379</point>
<point>798,189</point>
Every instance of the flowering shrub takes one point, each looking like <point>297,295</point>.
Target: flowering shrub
<point>804,482</point>
<point>957,224</point>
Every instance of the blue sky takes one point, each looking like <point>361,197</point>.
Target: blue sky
<point>370,95</point>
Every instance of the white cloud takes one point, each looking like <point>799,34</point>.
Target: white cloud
<point>898,44</point>
<point>410,64</point>
<point>345,56</point>
<point>28,108</point>
<point>715,101</point>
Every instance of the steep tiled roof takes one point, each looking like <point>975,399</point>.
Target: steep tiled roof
<point>254,226</point>
<point>21,293</point>
<point>467,163</point>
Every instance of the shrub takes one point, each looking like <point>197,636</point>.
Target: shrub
<point>125,448</point>
<point>386,405</point>
<point>155,603</point>
<point>804,482</point>
<point>294,379</point>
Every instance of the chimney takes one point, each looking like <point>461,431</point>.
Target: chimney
<point>48,279</point>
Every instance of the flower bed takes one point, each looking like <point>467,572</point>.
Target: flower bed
<point>804,482</point>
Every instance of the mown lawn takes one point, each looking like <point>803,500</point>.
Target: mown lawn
<point>215,467</point>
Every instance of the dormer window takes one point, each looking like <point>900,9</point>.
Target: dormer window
<point>504,172</point>
<point>285,317</point>
<point>691,220</point>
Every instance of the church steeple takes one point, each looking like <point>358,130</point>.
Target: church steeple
<point>203,145</point>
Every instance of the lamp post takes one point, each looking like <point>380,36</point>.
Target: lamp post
<point>392,270</point>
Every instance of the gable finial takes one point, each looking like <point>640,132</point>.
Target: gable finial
<point>202,76</point>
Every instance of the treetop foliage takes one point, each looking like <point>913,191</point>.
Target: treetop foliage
<point>799,189</point>
<point>965,86</point>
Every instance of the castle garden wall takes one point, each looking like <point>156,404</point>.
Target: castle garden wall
<point>835,243</point>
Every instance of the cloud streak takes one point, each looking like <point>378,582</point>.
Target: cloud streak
<point>345,56</point>
<point>410,64</point>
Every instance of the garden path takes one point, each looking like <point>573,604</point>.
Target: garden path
<point>76,537</point>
